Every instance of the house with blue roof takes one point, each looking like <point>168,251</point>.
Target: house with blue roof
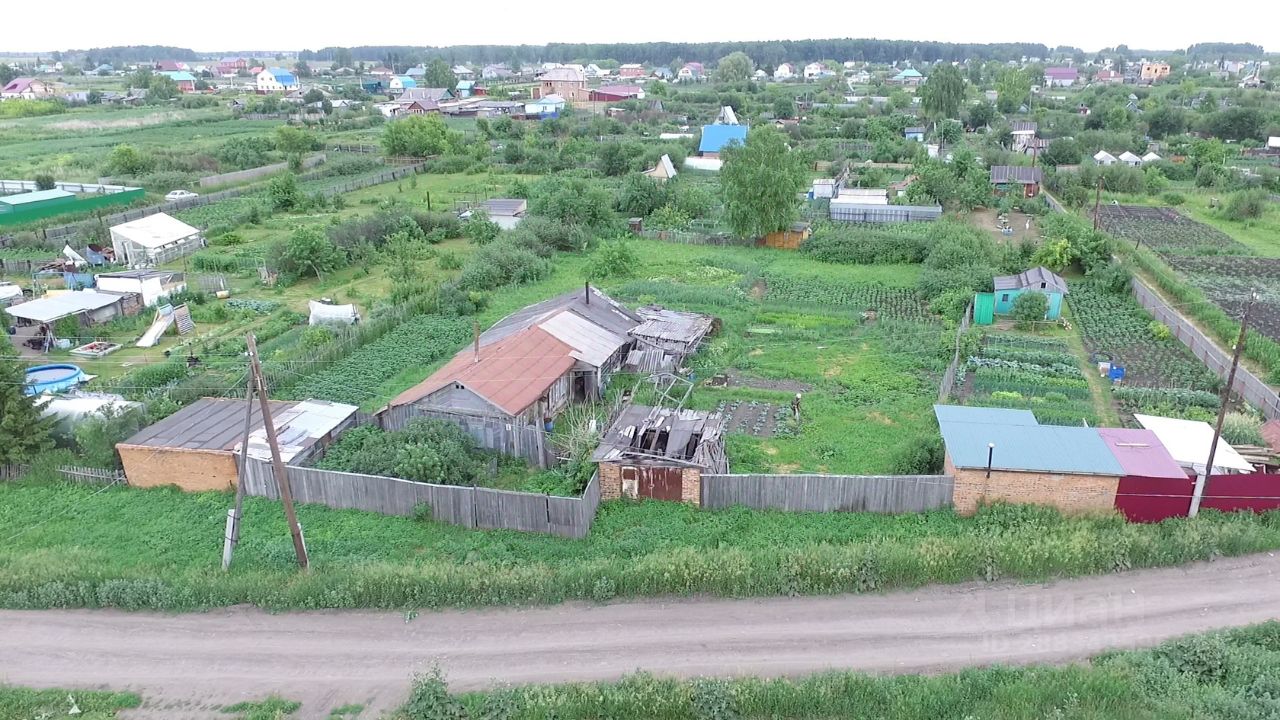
<point>1005,455</point>
<point>544,107</point>
<point>274,80</point>
<point>909,77</point>
<point>401,82</point>
<point>716,137</point>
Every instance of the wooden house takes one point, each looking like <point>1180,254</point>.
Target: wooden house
<point>1037,279</point>
<point>788,239</point>
<point>1015,178</point>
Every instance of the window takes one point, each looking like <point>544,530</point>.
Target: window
<point>1042,286</point>
<point>1004,298</point>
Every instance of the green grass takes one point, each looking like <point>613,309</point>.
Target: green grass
<point>1220,676</point>
<point>273,708</point>
<point>74,546</point>
<point>25,704</point>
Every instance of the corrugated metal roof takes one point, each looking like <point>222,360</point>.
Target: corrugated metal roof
<point>591,343</point>
<point>154,231</point>
<point>663,324</point>
<point>505,207</point>
<point>984,415</point>
<point>716,137</point>
<point>1140,452</point>
<point>1188,442</point>
<point>1023,126</point>
<point>53,307</point>
<point>1016,174</point>
<point>206,424</point>
<point>36,196</point>
<point>601,310</point>
<point>1037,278</point>
<point>1020,446</point>
<point>510,374</point>
<point>298,427</point>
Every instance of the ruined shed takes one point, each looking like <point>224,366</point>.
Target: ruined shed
<point>660,453</point>
<point>665,338</point>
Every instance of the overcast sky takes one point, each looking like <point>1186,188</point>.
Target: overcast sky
<point>211,27</point>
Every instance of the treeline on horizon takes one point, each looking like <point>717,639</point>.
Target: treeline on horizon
<point>768,53</point>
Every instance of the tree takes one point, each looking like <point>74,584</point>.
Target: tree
<point>308,251</point>
<point>295,141</point>
<point>981,114</point>
<point>418,136</point>
<point>641,195</point>
<point>1208,153</point>
<point>128,160</point>
<point>1237,123</point>
<point>162,87</point>
<point>302,69</point>
<point>1165,121</point>
<point>760,181</point>
<point>950,131</point>
<point>284,192</point>
<point>784,108</point>
<point>942,92</point>
<point>440,75</point>
<point>615,157</point>
<point>314,95</point>
<point>1013,88</point>
<point>735,67</point>
<point>1062,151</point>
<point>342,58</point>
<point>1029,308</point>
<point>24,434</point>
<point>7,74</point>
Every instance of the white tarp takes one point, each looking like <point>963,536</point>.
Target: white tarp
<point>74,256</point>
<point>325,314</point>
<point>154,231</point>
<point>1188,442</point>
<point>48,309</point>
<point>9,290</point>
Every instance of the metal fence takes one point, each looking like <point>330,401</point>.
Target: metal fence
<point>686,237</point>
<point>240,176</point>
<point>469,507</point>
<point>884,213</point>
<point>828,493</point>
<point>489,431</point>
<point>1247,385</point>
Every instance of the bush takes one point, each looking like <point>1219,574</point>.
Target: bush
<point>1029,308</point>
<point>1173,198</point>
<point>862,245</point>
<point>1246,205</point>
<point>96,435</point>
<point>284,193</point>
<point>500,263</point>
<point>45,181</point>
<point>616,259</point>
<point>307,251</point>
<point>479,229</point>
<point>448,260</point>
<point>431,451</point>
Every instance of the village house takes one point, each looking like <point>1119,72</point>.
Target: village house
<point>430,95</point>
<point>617,93</point>
<point>593,71</point>
<point>89,307</point>
<point>784,72</point>
<point>462,72</point>
<point>171,66</point>
<point>495,72</point>
<point>382,71</point>
<point>275,80</point>
<point>1108,77</point>
<point>229,67</point>
<point>1102,157</point>
<point>545,106</point>
<point>567,83</point>
<point>663,171</point>
<point>660,453</point>
<point>1128,158</point>
<point>197,447</point>
<point>716,137</point>
<point>399,83</point>
<point>25,88</point>
<point>1153,71</point>
<point>185,81</point>
<point>1060,76</point>
<point>631,70</point>
<point>691,72</point>
<point>909,77</point>
<point>1006,455</point>
<point>815,70</point>
<point>1026,180</point>
<point>913,133</point>
<point>1037,279</point>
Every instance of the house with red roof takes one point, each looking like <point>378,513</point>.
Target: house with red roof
<point>1108,77</point>
<point>25,88</point>
<point>617,93</point>
<point>171,66</point>
<point>1060,76</point>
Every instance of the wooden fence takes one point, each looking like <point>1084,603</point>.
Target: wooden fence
<point>469,507</point>
<point>71,473</point>
<point>828,493</point>
<point>489,431</point>
<point>13,472</point>
<point>686,237</point>
<point>953,369</point>
<point>240,176</point>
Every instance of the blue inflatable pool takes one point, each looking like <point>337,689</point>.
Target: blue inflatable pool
<point>52,378</point>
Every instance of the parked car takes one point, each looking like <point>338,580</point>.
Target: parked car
<point>181,195</point>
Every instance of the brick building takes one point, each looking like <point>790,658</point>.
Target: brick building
<point>660,453</point>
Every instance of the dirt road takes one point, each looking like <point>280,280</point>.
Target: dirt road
<point>198,661</point>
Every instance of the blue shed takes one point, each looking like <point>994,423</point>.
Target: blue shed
<point>716,137</point>
<point>1037,279</point>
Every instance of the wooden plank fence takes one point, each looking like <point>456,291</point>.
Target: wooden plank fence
<point>13,472</point>
<point>489,431</point>
<point>828,493</point>
<point>468,507</point>
<point>953,369</point>
<point>94,476</point>
<point>254,173</point>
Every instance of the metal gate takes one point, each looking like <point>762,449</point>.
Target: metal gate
<point>659,483</point>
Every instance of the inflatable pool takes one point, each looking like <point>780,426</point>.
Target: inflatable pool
<point>52,378</point>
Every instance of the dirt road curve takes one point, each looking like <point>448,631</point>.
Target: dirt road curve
<point>331,658</point>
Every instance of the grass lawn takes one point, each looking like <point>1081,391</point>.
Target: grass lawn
<point>74,545</point>
<point>1229,674</point>
<point>22,703</point>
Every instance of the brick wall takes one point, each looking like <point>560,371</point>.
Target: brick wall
<point>691,486</point>
<point>191,470</point>
<point>610,481</point>
<point>1074,494</point>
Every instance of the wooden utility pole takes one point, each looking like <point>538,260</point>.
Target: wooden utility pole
<point>1203,478</point>
<point>277,464</point>
<point>233,517</point>
<point>1097,201</point>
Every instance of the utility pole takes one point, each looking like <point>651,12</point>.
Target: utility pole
<point>1097,201</point>
<point>234,515</point>
<point>277,464</point>
<point>1203,478</point>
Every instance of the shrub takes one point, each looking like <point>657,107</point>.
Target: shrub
<point>431,451</point>
<point>448,260</point>
<point>1246,205</point>
<point>1242,429</point>
<point>862,245</point>
<point>1029,308</point>
<point>307,251</point>
<point>284,193</point>
<point>616,259</point>
<point>1160,331</point>
<point>1173,198</point>
<point>480,230</point>
<point>502,262</point>
<point>45,181</point>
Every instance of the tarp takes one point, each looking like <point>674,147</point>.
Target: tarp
<point>325,314</point>
<point>74,256</point>
<point>1188,442</point>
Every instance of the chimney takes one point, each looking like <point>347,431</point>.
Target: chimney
<point>586,293</point>
<point>475,329</point>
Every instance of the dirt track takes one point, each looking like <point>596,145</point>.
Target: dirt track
<point>325,659</point>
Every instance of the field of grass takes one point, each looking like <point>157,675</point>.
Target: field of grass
<point>73,546</point>
<point>1218,676</point>
<point>25,704</point>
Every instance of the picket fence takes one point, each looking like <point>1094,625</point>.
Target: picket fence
<point>71,473</point>
<point>469,507</point>
<point>828,493</point>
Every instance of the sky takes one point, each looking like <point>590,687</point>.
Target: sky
<point>1087,24</point>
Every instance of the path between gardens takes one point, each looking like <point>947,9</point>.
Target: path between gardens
<point>186,665</point>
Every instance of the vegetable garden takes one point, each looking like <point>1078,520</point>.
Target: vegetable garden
<point>1031,373</point>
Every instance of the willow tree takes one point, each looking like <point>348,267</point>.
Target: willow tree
<point>942,94</point>
<point>760,181</point>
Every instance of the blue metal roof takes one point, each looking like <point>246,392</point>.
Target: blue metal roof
<point>179,76</point>
<point>715,137</point>
<point>1020,444</point>
<point>282,76</point>
<point>408,82</point>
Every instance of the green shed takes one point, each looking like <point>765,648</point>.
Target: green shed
<point>984,308</point>
<point>35,202</point>
<point>1037,279</point>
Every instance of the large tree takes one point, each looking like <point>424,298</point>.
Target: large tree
<point>7,74</point>
<point>734,68</point>
<point>418,136</point>
<point>342,58</point>
<point>24,434</point>
<point>1012,90</point>
<point>440,75</point>
<point>943,92</point>
<point>760,181</point>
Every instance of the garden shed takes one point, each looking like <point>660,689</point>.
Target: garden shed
<point>660,453</point>
<point>1010,178</point>
<point>91,306</point>
<point>151,285</point>
<point>154,240</point>
<point>36,204</point>
<point>667,337</point>
<point>1037,279</point>
<point>196,447</point>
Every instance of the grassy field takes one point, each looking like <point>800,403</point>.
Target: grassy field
<point>24,704</point>
<point>1215,676</point>
<point>1261,235</point>
<point>72,546</point>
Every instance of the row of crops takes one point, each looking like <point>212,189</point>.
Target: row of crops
<point>1031,373</point>
<point>888,302</point>
<point>1167,231</point>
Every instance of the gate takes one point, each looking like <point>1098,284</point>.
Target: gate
<point>659,483</point>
